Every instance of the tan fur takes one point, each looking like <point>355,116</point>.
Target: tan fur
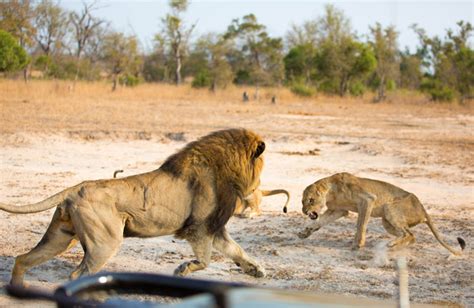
<point>192,195</point>
<point>254,200</point>
<point>344,192</point>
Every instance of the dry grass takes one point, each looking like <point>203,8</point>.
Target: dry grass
<point>54,89</point>
<point>17,90</point>
<point>92,109</point>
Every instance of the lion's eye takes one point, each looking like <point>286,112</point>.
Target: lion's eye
<point>311,201</point>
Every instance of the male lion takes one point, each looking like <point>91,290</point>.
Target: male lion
<point>192,195</point>
<point>344,192</point>
<point>253,201</point>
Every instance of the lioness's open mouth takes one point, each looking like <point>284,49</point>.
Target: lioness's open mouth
<point>313,215</point>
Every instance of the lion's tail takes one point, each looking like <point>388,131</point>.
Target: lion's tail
<point>433,229</point>
<point>117,172</point>
<point>44,205</point>
<point>278,191</point>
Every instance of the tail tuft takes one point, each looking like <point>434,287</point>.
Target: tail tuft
<point>285,209</point>
<point>462,243</point>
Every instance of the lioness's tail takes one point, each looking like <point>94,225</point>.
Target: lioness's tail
<point>461,241</point>
<point>44,205</point>
<point>275,192</point>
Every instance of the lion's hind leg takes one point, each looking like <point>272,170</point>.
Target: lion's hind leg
<point>229,248</point>
<point>59,237</point>
<point>100,233</point>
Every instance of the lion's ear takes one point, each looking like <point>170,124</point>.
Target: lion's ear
<point>259,150</point>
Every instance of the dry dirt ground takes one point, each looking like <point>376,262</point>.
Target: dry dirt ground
<point>425,149</point>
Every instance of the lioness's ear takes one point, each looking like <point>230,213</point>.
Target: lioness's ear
<point>259,150</point>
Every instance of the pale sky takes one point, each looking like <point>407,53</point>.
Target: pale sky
<point>142,17</point>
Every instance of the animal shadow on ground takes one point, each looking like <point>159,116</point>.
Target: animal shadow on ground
<point>52,271</point>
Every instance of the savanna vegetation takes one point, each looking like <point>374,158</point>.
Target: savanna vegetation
<point>324,55</point>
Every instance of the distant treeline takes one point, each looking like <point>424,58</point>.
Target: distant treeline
<point>320,55</point>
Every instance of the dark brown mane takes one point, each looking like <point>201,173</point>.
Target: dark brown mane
<point>231,155</point>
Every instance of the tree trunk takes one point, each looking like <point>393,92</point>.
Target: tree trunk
<point>26,72</point>
<point>213,86</point>
<point>343,87</point>
<point>381,90</point>
<point>256,91</point>
<point>178,66</point>
<point>114,82</point>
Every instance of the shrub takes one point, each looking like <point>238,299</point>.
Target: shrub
<point>202,80</point>
<point>357,89</point>
<point>329,86</point>
<point>242,77</point>
<point>301,89</point>
<point>129,80</point>
<point>12,56</point>
<point>438,92</point>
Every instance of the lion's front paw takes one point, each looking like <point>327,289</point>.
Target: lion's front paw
<point>248,215</point>
<point>256,270</point>
<point>182,270</point>
<point>357,246</point>
<point>304,234</point>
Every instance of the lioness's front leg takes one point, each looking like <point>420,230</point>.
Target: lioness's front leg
<point>326,218</point>
<point>229,248</point>
<point>364,210</point>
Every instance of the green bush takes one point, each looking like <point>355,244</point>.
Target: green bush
<point>12,56</point>
<point>391,85</point>
<point>329,86</point>
<point>129,80</point>
<point>202,80</point>
<point>357,89</point>
<point>438,92</point>
<point>301,89</point>
<point>243,77</point>
<point>443,94</point>
<point>43,63</point>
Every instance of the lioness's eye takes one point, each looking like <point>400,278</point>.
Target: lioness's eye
<point>311,200</point>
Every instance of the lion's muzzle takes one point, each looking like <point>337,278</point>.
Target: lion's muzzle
<point>313,215</point>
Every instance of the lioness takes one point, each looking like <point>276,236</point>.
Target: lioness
<point>192,195</point>
<point>344,192</point>
<point>253,201</point>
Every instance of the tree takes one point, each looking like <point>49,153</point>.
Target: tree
<point>340,65</point>
<point>385,47</point>
<point>262,55</point>
<point>305,35</point>
<point>12,56</point>
<point>121,56</point>
<point>176,34</point>
<point>85,27</point>
<point>300,64</point>
<point>51,23</point>
<point>16,19</point>
<point>213,70</point>
<point>326,53</point>
<point>410,70</point>
<point>449,63</point>
<point>157,66</point>
<point>340,59</point>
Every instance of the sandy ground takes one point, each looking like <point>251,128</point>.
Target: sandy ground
<point>426,150</point>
